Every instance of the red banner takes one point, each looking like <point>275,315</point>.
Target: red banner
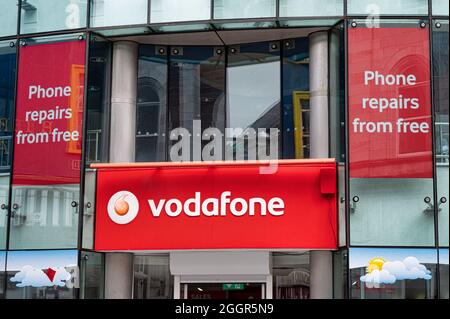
<point>49,114</point>
<point>389,103</point>
<point>201,206</point>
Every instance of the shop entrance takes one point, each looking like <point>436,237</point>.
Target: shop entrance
<point>227,290</point>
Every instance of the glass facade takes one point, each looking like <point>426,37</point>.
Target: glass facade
<point>176,11</point>
<point>8,18</point>
<point>253,79</point>
<point>51,15</point>
<point>115,12</point>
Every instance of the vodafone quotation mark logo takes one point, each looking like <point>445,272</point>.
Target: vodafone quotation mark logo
<point>123,207</point>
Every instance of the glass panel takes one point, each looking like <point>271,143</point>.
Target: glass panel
<point>152,278</point>
<point>175,10</point>
<point>245,25</point>
<point>310,8</point>
<point>443,273</point>
<point>8,18</point>
<point>92,275</point>
<point>7,93</point>
<point>291,275</point>
<point>393,273</point>
<point>118,12</point>
<point>237,9</point>
<point>98,100</point>
<point>151,104</point>
<point>387,7</point>
<point>440,86</point>
<point>440,7</point>
<point>52,15</point>
<point>253,101</point>
<point>124,31</point>
<point>196,93</point>
<point>296,98</point>
<point>2,273</point>
<point>391,184</point>
<point>42,274</point>
<point>182,27</point>
<point>49,120</point>
<point>340,274</point>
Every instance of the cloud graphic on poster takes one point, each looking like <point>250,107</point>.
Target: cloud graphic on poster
<point>33,277</point>
<point>390,271</point>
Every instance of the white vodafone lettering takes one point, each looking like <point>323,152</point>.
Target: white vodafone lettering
<point>238,206</point>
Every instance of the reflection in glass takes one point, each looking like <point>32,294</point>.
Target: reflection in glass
<point>296,98</point>
<point>393,273</point>
<point>196,92</point>
<point>175,10</point>
<point>151,104</point>
<point>8,18</point>
<point>92,277</point>
<point>387,7</point>
<point>440,94</point>
<point>98,101</point>
<point>42,274</point>
<point>253,99</point>
<point>7,85</point>
<point>152,278</point>
<point>118,12</point>
<point>52,15</point>
<point>237,9</point>
<point>340,274</point>
<point>309,8</point>
<point>291,275</point>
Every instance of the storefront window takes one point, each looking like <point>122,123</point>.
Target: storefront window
<point>443,273</point>
<point>151,114</point>
<point>291,275</point>
<point>393,273</point>
<point>7,85</point>
<point>296,142</point>
<point>440,86</point>
<point>52,15</point>
<point>42,274</point>
<point>340,274</point>
<point>196,93</point>
<point>390,140</point>
<point>309,8</point>
<point>387,7</point>
<point>440,7</point>
<point>236,9</point>
<point>8,18</point>
<point>118,12</point>
<point>92,275</point>
<point>47,148</point>
<point>152,278</point>
<point>175,11</point>
<point>253,100</point>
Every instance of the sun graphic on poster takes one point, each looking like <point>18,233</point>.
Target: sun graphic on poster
<point>375,263</point>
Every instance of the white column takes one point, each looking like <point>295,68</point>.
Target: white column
<point>119,266</point>
<point>123,102</point>
<point>176,287</point>
<point>321,280</point>
<point>318,87</point>
<point>321,262</point>
<point>118,275</point>
<point>269,287</point>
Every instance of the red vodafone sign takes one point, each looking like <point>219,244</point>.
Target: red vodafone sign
<point>168,206</point>
<point>389,103</point>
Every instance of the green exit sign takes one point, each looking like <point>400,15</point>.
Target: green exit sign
<point>233,286</point>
